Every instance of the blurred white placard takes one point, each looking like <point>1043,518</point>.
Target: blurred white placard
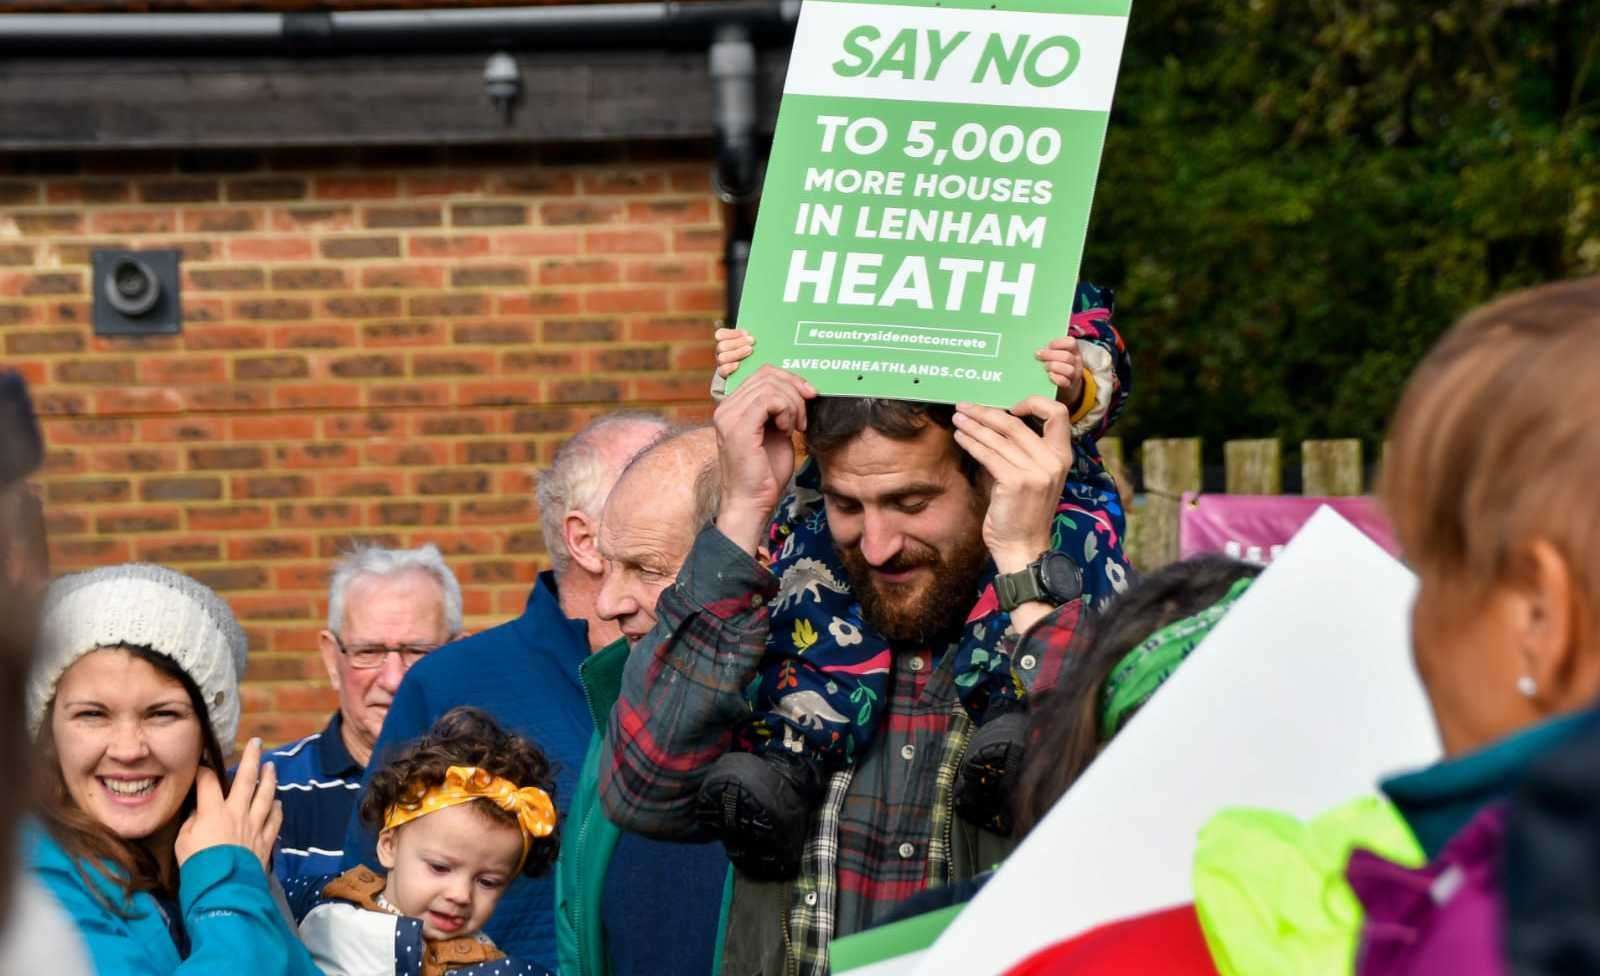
<point>1304,696</point>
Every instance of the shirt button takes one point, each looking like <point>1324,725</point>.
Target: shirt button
<point>811,898</point>
<point>908,751</point>
<point>1028,662</point>
<point>756,600</point>
<point>916,663</point>
<point>906,850</point>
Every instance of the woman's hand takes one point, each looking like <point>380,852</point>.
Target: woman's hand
<point>734,346</point>
<point>249,815</point>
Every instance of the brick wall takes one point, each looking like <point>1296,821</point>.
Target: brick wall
<point>376,345</point>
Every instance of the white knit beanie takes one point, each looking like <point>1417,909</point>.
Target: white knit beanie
<point>142,605</point>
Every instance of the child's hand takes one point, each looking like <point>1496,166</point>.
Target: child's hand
<point>1064,366</point>
<point>734,346</point>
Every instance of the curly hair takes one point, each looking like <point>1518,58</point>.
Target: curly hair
<point>465,737</point>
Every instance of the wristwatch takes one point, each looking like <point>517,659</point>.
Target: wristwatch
<point>1052,578</point>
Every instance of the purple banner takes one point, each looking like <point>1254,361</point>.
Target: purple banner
<point>1256,527</point>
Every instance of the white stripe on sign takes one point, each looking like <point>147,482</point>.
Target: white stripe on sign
<point>309,851</point>
<point>857,50</point>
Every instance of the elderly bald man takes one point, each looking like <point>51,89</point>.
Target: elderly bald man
<point>612,918</point>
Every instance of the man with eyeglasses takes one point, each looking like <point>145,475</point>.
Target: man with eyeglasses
<point>387,609</point>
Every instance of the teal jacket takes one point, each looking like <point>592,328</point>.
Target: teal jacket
<point>228,916</point>
<point>650,908</point>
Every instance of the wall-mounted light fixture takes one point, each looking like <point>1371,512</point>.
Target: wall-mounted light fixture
<point>136,292</point>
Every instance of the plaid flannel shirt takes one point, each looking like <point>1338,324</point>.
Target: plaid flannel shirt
<point>884,830</point>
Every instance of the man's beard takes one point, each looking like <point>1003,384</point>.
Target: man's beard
<point>928,608</point>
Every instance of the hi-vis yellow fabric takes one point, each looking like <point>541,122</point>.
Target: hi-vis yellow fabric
<point>463,784</point>
<point>1270,890</point>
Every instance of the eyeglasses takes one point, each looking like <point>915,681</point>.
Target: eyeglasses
<point>366,657</point>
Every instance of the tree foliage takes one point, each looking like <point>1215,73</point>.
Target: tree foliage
<point>1298,196</point>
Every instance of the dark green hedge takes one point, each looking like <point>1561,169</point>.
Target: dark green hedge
<point>1297,196</point>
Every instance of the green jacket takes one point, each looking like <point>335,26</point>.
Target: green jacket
<point>589,840</point>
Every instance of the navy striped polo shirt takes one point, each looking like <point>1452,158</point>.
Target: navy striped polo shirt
<point>318,784</point>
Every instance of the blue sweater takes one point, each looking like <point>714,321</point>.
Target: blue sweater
<point>525,674</point>
<point>226,912</point>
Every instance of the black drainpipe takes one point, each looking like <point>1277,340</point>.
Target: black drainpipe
<point>737,177</point>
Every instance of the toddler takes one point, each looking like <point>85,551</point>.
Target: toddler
<point>824,679</point>
<point>463,811</point>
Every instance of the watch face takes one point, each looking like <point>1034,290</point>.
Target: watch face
<point>1061,577</point>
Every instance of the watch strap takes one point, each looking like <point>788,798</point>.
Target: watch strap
<point>1023,586</point>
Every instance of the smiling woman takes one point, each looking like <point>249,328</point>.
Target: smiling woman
<point>135,687</point>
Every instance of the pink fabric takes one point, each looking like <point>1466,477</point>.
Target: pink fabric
<point>1255,527</point>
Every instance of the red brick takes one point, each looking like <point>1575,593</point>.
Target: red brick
<point>443,184</point>
<point>268,606</point>
<point>703,240</point>
<point>690,211</point>
<point>318,515</point>
<point>499,393</point>
<point>182,429</point>
<point>231,337</point>
<point>271,486</point>
<point>80,553</point>
<point>134,460</point>
<point>100,431</point>
<point>273,428</point>
<point>622,181</point>
<point>228,518</point>
<point>579,271</point>
<point>625,241</point>
<point>226,279</point>
<point>305,698</point>
<point>136,520</point>
<point>536,244</point>
<point>221,221</point>
<point>463,363</point>
<point>356,187</point>
<point>182,371</point>
<point>455,246</point>
<point>362,484</point>
<point>409,276</point>
<point>177,550</point>
<point>363,425</point>
<point>314,335</point>
<point>307,396</point>
<point>405,454</point>
<point>538,303</point>
<point>668,272</point>
<point>656,389</point>
<point>383,334</point>
<point>134,222</point>
<point>539,360</point>
<point>312,219</point>
<point>269,249</point>
<point>229,397</point>
<point>89,492</point>
<point>408,395</point>
<point>315,456</point>
<point>567,213</point>
<point>404,513</point>
<point>702,298</point>
<point>89,191</point>
<point>625,300</point>
<point>673,327</point>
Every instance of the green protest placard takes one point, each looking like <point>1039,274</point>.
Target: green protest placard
<point>925,207</point>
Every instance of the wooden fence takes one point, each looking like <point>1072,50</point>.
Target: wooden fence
<point>1169,467</point>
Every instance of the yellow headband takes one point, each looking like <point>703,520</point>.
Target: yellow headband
<point>463,784</point>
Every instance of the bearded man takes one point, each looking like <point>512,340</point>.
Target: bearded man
<point>922,504</point>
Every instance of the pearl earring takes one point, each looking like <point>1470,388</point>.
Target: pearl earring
<point>1527,686</point>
